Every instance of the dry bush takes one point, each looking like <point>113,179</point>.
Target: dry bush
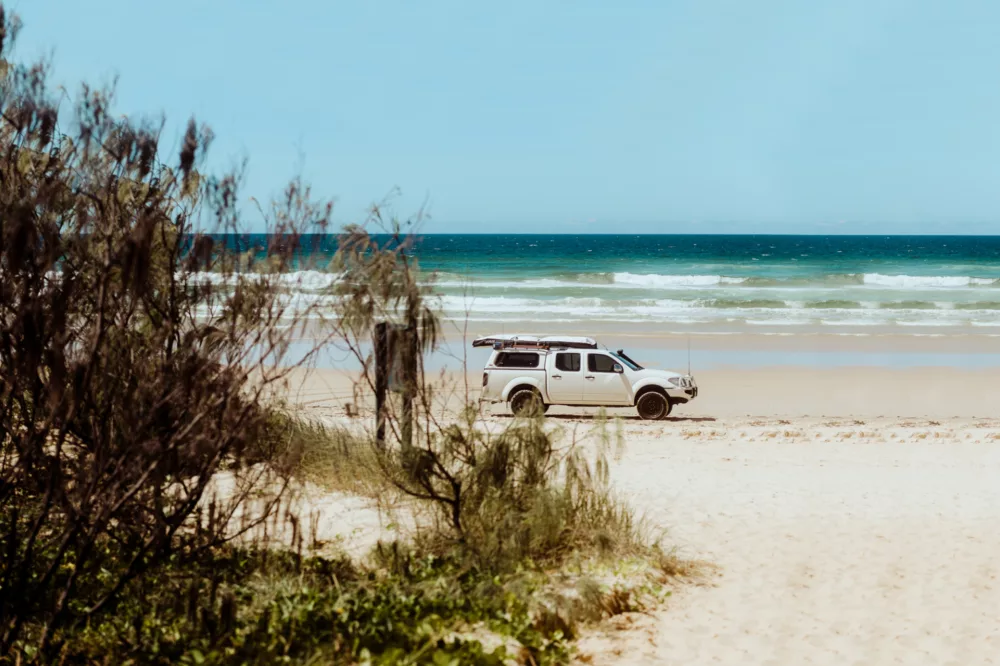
<point>127,376</point>
<point>521,495</point>
<point>334,458</point>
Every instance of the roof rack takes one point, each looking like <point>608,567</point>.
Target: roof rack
<point>535,342</point>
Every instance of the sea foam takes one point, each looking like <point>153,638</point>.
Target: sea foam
<point>928,281</point>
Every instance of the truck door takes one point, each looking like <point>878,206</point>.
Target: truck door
<point>602,385</point>
<point>565,378</point>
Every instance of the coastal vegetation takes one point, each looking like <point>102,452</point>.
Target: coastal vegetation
<point>145,451</point>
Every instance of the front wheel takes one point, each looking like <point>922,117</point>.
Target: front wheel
<point>653,406</point>
<point>527,402</point>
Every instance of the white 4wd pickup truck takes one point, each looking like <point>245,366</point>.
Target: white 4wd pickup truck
<point>531,373</point>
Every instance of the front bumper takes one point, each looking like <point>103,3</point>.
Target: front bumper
<point>686,392</point>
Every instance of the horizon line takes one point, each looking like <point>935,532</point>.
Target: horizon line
<point>566,233</point>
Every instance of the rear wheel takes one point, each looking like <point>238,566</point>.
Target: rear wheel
<point>527,402</point>
<point>653,406</point>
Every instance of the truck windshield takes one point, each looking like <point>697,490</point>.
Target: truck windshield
<point>627,361</point>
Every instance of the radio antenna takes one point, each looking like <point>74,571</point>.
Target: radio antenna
<point>689,354</point>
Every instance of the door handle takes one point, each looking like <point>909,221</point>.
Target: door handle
<point>588,377</point>
<point>556,376</point>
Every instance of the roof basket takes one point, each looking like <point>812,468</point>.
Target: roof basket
<point>535,341</point>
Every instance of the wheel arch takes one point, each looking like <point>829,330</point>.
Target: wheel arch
<point>519,383</point>
<point>651,387</point>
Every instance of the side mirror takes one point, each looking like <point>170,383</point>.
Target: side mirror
<point>618,368</point>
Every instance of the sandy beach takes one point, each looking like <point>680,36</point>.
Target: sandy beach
<point>838,541</point>
<point>851,513</point>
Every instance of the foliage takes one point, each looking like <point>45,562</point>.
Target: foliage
<point>258,607</point>
<point>139,361</point>
<point>127,378</point>
<point>336,459</point>
<point>518,495</point>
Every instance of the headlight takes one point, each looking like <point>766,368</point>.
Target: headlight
<point>676,381</point>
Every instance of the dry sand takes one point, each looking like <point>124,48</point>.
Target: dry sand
<point>838,541</point>
<point>854,515</point>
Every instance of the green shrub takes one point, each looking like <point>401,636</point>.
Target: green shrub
<point>260,607</point>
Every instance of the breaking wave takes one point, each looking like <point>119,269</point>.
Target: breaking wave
<point>925,282</point>
<point>841,300</point>
<point>696,281</point>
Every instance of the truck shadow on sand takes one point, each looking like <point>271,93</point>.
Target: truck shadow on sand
<point>630,417</point>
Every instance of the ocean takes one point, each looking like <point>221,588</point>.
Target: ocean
<point>707,283</point>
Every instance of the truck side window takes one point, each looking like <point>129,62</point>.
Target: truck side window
<point>568,362</point>
<point>600,363</point>
<point>516,360</point>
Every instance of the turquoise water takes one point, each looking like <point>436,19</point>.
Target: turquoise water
<point>721,282</point>
<point>910,284</point>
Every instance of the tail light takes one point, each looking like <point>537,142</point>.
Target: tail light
<point>486,378</point>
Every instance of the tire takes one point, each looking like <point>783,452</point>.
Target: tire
<point>653,406</point>
<point>526,402</point>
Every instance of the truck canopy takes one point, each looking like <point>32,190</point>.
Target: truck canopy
<point>524,340</point>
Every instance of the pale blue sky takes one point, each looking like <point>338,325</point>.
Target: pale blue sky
<point>793,116</point>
